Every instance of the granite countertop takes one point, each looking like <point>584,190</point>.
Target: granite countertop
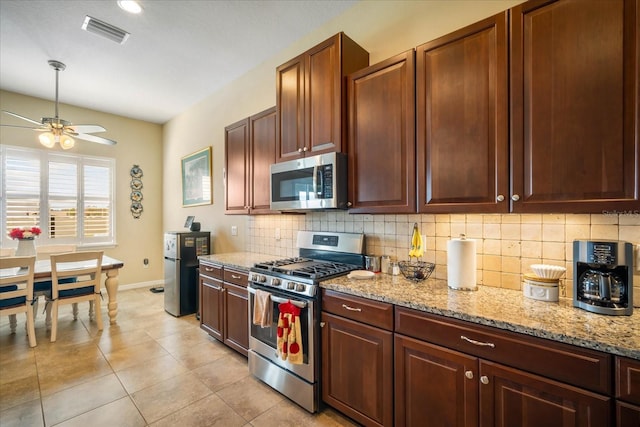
<point>242,261</point>
<point>504,309</point>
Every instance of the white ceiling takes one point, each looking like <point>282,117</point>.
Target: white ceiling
<point>179,52</point>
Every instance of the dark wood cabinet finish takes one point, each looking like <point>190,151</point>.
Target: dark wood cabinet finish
<point>381,142</point>
<point>311,98</point>
<point>462,120</point>
<point>211,300</point>
<point>262,148</point>
<point>236,320</point>
<point>575,134</point>
<point>236,144</point>
<point>510,397</point>
<point>434,386</point>
<point>562,362</point>
<point>628,380</point>
<point>627,415</point>
<point>357,357</point>
<point>250,149</point>
<point>357,370</point>
<point>224,309</point>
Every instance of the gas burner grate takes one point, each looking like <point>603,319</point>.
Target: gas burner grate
<point>305,267</point>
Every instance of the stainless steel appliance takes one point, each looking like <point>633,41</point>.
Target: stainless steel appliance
<point>315,182</point>
<point>181,252</point>
<point>323,255</point>
<point>603,277</point>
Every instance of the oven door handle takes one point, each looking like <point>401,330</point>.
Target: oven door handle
<point>297,303</point>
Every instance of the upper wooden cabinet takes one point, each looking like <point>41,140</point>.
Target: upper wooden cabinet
<point>250,149</point>
<point>574,106</point>
<point>262,145</point>
<point>462,133</point>
<point>236,144</point>
<point>382,169</point>
<point>311,98</point>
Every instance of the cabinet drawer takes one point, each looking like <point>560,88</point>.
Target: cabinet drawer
<point>236,277</point>
<point>363,310</point>
<point>628,380</point>
<point>212,270</point>
<point>581,367</point>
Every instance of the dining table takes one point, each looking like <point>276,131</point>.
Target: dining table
<point>110,266</point>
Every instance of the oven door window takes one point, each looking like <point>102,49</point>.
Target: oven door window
<point>293,185</point>
<point>269,335</point>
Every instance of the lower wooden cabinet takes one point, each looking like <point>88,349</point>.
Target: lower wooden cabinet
<point>627,392</point>
<point>357,360</point>
<point>225,306</point>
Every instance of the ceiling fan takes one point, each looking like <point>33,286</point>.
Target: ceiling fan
<point>54,129</point>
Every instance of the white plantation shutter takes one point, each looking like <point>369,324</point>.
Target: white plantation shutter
<point>70,197</point>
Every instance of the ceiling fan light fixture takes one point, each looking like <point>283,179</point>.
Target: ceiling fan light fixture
<point>47,139</point>
<point>101,28</point>
<point>66,142</point>
<point>130,6</point>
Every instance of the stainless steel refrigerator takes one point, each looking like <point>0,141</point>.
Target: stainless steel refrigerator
<point>181,252</point>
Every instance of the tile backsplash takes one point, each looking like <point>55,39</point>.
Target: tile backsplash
<point>507,244</point>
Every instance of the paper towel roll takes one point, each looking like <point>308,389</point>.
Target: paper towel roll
<point>461,264</point>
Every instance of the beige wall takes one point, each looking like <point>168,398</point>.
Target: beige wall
<point>138,143</point>
<point>384,28</point>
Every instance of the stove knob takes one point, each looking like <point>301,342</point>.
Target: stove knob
<point>291,285</point>
<point>275,282</point>
<point>300,287</point>
<point>254,277</point>
<point>259,278</point>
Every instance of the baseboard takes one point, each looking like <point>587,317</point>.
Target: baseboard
<point>141,285</point>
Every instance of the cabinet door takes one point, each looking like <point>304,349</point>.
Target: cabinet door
<point>262,133</point>
<point>434,386</point>
<point>510,397</point>
<point>290,98</point>
<point>462,134</point>
<point>574,106</point>
<point>382,169</point>
<point>236,321</point>
<point>236,142</point>
<point>211,314</point>
<point>627,415</point>
<point>323,97</point>
<point>357,370</point>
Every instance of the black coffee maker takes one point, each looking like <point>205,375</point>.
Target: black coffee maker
<point>603,276</point>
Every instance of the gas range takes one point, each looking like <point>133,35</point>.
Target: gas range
<point>298,275</point>
<point>322,255</point>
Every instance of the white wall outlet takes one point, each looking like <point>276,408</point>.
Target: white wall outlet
<point>277,234</point>
<point>145,262</point>
<point>234,230</point>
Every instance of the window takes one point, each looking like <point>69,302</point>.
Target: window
<point>70,197</point>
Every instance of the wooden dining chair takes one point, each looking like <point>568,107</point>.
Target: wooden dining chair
<point>43,287</point>
<point>16,291</point>
<point>86,267</point>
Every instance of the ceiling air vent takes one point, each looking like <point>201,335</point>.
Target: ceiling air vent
<point>103,29</point>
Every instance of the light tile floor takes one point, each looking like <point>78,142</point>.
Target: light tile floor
<point>148,369</point>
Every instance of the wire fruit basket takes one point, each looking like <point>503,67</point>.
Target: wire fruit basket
<point>416,271</point>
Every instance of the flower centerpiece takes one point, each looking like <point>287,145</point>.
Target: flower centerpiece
<point>25,237</point>
<point>25,233</point>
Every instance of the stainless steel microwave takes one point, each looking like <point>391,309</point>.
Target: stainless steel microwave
<point>316,182</point>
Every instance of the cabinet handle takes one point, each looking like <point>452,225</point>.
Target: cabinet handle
<point>469,374</point>
<point>304,148</point>
<point>484,379</point>
<point>351,308</point>
<point>217,288</point>
<point>474,342</point>
<point>208,269</point>
<point>299,150</point>
<point>500,198</point>
<point>322,324</point>
<point>515,197</point>
<point>233,276</point>
<point>349,204</point>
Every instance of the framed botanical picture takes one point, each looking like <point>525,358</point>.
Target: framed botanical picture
<point>196,178</point>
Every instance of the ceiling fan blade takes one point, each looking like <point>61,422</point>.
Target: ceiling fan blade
<point>22,117</point>
<point>22,127</point>
<point>93,138</point>
<point>85,128</point>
